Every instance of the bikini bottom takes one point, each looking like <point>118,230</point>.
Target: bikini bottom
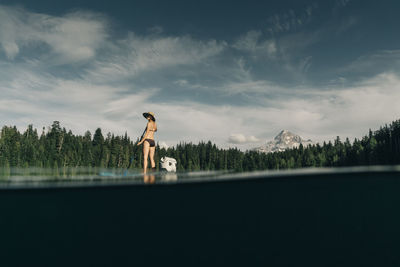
<point>151,142</point>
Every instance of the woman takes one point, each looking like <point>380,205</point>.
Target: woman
<point>149,146</point>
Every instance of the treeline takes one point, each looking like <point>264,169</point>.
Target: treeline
<point>381,147</point>
<point>58,148</point>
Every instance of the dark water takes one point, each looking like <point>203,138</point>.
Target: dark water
<point>325,217</point>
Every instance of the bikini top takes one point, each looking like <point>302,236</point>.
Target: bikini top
<point>153,130</point>
<point>144,132</point>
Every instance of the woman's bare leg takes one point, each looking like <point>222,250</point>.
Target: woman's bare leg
<point>146,147</point>
<point>152,152</point>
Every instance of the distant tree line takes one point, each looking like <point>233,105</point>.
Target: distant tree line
<point>58,149</point>
<point>381,147</point>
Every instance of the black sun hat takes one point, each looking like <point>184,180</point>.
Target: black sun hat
<point>149,114</point>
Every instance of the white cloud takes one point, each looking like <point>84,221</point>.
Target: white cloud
<point>347,112</point>
<point>237,139</point>
<point>163,144</point>
<point>242,139</point>
<point>137,54</point>
<point>322,115</point>
<point>181,82</point>
<point>250,42</point>
<point>10,48</point>
<point>386,60</point>
<point>150,53</point>
<point>286,53</point>
<point>72,37</point>
<point>251,87</point>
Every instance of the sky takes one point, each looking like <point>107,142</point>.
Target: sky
<point>233,72</point>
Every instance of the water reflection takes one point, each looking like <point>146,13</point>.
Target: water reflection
<point>149,178</point>
<point>72,176</point>
<point>169,177</point>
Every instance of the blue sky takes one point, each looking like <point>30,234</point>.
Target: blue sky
<point>232,72</point>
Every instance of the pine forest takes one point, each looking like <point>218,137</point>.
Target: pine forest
<point>61,150</point>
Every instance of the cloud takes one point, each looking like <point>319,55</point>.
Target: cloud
<point>10,48</point>
<point>73,37</point>
<point>181,82</point>
<point>242,139</point>
<point>250,42</point>
<point>345,25</point>
<point>319,114</point>
<point>40,99</point>
<point>348,112</point>
<point>289,20</point>
<point>137,54</point>
<point>283,59</point>
<point>199,89</point>
<point>150,53</point>
<point>162,144</point>
<point>100,93</point>
<point>367,65</point>
<point>155,30</point>
<point>252,87</point>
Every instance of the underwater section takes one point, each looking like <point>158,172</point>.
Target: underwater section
<point>306,217</point>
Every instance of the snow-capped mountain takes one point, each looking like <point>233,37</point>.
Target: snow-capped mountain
<point>283,141</point>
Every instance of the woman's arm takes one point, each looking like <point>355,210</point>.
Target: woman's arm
<point>145,134</point>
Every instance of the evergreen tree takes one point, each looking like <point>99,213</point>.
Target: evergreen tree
<point>63,151</point>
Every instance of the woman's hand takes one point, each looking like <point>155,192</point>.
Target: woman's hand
<point>141,142</point>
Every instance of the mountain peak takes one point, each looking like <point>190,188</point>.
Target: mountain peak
<point>284,140</point>
<point>287,137</point>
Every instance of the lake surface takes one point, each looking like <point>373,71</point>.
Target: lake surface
<point>89,177</point>
<point>309,217</point>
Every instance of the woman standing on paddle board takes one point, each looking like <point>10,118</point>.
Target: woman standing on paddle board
<point>149,146</point>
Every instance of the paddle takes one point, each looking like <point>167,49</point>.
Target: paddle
<point>132,157</point>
